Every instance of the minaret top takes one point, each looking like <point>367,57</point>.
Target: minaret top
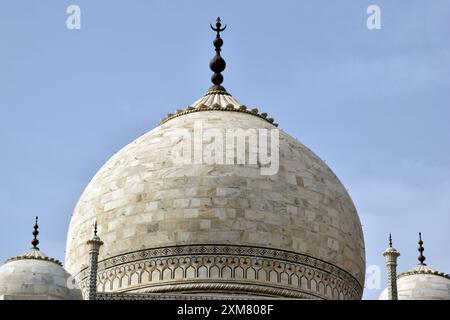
<point>95,241</point>
<point>421,249</point>
<point>217,64</point>
<point>35,241</point>
<point>391,251</point>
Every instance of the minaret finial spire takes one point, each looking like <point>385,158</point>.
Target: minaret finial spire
<point>35,241</point>
<point>390,240</point>
<point>421,249</point>
<point>217,64</point>
<point>95,228</point>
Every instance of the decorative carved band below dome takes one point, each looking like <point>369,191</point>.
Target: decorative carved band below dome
<point>163,296</point>
<point>243,270</point>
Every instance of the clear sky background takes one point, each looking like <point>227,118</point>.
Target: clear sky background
<point>373,104</point>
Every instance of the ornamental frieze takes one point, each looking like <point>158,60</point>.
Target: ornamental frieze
<point>211,268</point>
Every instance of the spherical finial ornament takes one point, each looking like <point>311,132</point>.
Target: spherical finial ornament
<point>217,79</point>
<point>35,241</point>
<point>217,64</point>
<point>421,250</point>
<point>218,42</point>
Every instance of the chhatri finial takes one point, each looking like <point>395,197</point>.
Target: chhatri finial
<point>217,64</point>
<point>421,249</point>
<point>35,241</point>
<point>95,228</point>
<point>390,240</point>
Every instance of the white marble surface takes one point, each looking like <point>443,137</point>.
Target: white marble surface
<point>141,200</point>
<point>421,283</point>
<point>35,279</point>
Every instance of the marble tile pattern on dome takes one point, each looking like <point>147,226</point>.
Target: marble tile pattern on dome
<point>141,202</point>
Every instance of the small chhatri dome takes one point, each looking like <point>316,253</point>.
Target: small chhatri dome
<point>421,282</point>
<point>35,276</point>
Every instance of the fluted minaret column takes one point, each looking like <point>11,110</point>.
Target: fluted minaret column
<point>94,249</point>
<point>391,255</point>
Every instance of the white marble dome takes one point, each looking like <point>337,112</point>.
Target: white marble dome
<point>219,228</point>
<point>421,283</point>
<point>35,276</point>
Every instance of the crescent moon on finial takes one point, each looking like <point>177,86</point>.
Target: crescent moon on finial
<point>218,30</point>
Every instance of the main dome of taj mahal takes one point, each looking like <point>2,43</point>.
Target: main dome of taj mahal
<point>209,227</point>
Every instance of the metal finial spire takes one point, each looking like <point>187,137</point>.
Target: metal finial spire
<point>95,229</point>
<point>421,249</point>
<point>35,241</point>
<point>390,240</point>
<point>217,64</point>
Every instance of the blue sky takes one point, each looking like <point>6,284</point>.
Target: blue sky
<point>372,103</point>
